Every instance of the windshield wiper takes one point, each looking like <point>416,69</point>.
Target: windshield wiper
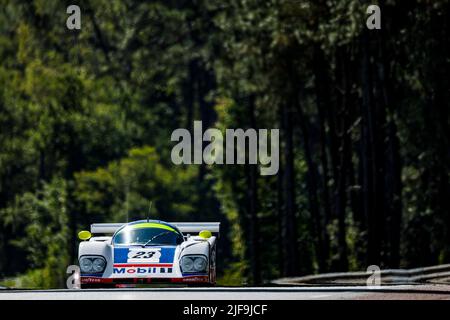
<point>154,237</point>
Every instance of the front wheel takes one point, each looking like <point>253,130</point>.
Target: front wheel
<point>97,286</point>
<point>201,285</point>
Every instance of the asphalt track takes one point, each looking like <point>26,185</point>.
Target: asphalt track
<point>401,292</point>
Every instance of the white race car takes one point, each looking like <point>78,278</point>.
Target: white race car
<point>148,251</point>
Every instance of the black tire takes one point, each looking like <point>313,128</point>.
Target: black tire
<point>200,285</point>
<point>97,286</point>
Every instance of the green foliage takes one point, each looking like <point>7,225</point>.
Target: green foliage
<point>123,190</point>
<point>42,220</point>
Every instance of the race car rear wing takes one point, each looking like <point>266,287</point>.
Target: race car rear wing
<point>184,227</point>
<point>106,228</point>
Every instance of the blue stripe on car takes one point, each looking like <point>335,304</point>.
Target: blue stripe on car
<point>121,254</point>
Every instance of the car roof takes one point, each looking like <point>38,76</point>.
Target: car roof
<point>150,223</point>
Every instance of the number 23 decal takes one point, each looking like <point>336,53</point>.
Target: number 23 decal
<point>143,255</point>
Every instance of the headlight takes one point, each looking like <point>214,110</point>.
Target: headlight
<point>193,264</point>
<point>200,264</point>
<point>92,264</point>
<point>86,265</point>
<point>187,264</point>
<point>98,265</point>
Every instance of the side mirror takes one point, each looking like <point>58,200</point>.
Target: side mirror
<point>205,234</point>
<point>84,235</point>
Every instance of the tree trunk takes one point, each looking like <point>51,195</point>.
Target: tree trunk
<point>290,245</point>
<point>368,155</point>
<point>393,167</point>
<point>323,103</point>
<point>312,192</point>
<point>344,160</point>
<point>252,196</point>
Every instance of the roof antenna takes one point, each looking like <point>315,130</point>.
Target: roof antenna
<point>149,211</point>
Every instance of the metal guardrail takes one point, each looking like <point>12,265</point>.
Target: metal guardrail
<point>433,274</point>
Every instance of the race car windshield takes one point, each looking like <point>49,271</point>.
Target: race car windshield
<point>147,237</point>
